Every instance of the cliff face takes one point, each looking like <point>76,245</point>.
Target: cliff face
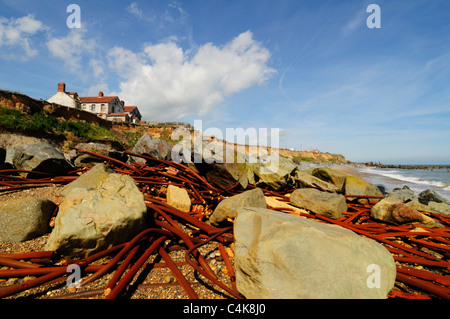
<point>120,134</point>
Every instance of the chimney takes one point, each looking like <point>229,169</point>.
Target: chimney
<point>61,87</point>
<point>100,94</point>
<point>123,102</point>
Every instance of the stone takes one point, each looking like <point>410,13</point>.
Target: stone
<point>152,147</point>
<point>96,218</point>
<point>399,213</point>
<point>441,208</point>
<point>41,157</point>
<point>331,176</point>
<point>25,219</point>
<point>281,256</point>
<point>89,180</point>
<point>228,207</point>
<point>431,196</point>
<point>356,186</point>
<point>327,204</point>
<point>305,180</point>
<point>178,198</point>
<point>85,160</point>
<point>275,173</point>
<point>401,195</point>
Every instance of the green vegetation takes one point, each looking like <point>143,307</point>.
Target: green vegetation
<point>132,137</point>
<point>43,122</point>
<point>304,159</point>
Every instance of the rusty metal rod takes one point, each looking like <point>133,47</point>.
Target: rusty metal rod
<point>177,273</point>
<point>136,266</point>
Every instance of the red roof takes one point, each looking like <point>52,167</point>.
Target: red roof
<point>128,109</point>
<point>97,99</point>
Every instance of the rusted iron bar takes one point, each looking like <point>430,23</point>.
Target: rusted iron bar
<point>110,159</point>
<point>177,273</point>
<point>121,269</point>
<point>30,255</point>
<point>123,282</point>
<point>427,286</point>
<point>229,266</point>
<point>422,274</point>
<point>122,252</point>
<point>17,264</point>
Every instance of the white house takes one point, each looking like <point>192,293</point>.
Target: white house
<point>70,99</point>
<point>107,107</point>
<point>102,105</point>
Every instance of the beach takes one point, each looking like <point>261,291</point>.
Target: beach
<point>418,180</point>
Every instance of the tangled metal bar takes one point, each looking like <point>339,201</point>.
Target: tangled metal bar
<point>410,246</point>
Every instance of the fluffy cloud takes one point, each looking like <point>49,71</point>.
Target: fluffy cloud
<point>73,48</point>
<point>16,35</point>
<point>168,83</point>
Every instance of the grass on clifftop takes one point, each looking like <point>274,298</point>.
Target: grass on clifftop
<point>43,122</point>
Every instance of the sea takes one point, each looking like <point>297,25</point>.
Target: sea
<point>432,177</point>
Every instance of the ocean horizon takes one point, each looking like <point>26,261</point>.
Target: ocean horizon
<point>434,177</point>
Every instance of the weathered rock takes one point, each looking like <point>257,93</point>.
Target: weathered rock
<point>306,180</point>
<point>90,219</point>
<point>276,173</point>
<point>442,208</point>
<point>179,198</point>
<point>431,196</point>
<point>219,163</point>
<point>401,195</point>
<point>322,203</point>
<point>356,186</point>
<point>152,147</point>
<point>331,176</point>
<point>228,207</point>
<point>41,157</point>
<point>25,219</point>
<point>284,256</point>
<point>89,180</point>
<point>85,160</point>
<point>399,213</point>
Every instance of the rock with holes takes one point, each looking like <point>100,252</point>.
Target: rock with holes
<point>96,218</point>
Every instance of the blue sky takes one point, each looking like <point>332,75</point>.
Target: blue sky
<point>311,68</point>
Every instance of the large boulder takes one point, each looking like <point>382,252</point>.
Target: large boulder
<point>431,196</point>
<point>282,256</point>
<point>228,207</point>
<point>25,219</point>
<point>41,157</point>
<point>441,208</point>
<point>331,176</point>
<point>305,180</point>
<point>152,147</point>
<point>95,218</point>
<point>356,186</point>
<point>399,213</point>
<point>275,172</point>
<point>89,180</point>
<point>327,204</point>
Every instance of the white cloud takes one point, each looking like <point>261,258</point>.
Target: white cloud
<point>73,48</point>
<point>133,8</point>
<point>167,83</point>
<point>16,36</point>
